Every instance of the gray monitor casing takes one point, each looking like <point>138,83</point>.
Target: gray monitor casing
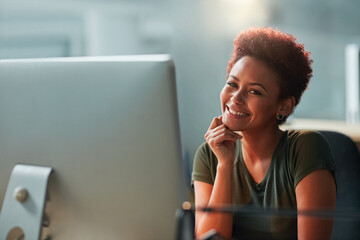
<point>109,128</point>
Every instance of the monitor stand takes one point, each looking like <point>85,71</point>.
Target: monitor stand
<point>24,202</point>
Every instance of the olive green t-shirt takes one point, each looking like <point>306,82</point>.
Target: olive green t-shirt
<point>298,153</point>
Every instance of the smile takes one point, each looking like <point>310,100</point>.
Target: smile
<point>233,112</point>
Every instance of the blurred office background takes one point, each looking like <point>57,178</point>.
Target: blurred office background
<point>198,34</point>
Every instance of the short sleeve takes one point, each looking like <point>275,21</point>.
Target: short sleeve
<point>310,152</point>
<point>204,163</point>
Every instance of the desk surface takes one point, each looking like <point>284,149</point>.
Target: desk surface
<point>351,130</point>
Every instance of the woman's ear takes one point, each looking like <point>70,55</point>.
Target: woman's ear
<point>287,106</point>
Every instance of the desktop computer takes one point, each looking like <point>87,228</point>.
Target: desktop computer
<point>108,128</point>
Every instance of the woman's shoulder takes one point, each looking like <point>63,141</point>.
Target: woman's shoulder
<point>305,137</point>
<point>204,166</point>
<point>308,151</point>
<point>204,154</point>
<point>204,148</point>
<point>302,133</point>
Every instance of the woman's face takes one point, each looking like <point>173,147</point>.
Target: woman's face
<point>250,97</point>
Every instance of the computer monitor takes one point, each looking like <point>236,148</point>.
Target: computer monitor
<point>109,128</point>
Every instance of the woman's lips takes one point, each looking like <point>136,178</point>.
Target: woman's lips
<point>237,114</point>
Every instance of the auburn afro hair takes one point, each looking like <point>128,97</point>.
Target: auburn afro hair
<point>280,52</point>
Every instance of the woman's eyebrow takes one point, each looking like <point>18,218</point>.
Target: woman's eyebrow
<point>254,83</point>
<point>232,76</point>
<point>258,84</point>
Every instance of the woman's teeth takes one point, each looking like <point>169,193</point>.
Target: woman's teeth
<point>237,113</point>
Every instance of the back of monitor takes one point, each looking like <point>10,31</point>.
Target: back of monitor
<point>109,129</point>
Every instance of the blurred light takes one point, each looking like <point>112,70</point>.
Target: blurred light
<point>352,83</point>
<point>186,205</point>
<point>239,13</point>
<point>236,1</point>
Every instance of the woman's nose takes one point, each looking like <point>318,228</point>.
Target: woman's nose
<point>238,97</point>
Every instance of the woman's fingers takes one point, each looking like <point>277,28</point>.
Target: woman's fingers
<point>220,134</point>
<point>221,140</point>
<point>215,122</point>
<point>214,130</point>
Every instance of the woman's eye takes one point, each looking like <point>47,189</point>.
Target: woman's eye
<point>232,84</point>
<point>255,92</point>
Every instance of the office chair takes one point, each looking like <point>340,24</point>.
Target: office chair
<point>347,174</point>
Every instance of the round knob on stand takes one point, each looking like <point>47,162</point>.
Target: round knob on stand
<point>21,194</point>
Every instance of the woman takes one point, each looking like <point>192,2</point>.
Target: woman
<point>248,161</point>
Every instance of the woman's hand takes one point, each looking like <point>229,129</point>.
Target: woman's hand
<point>222,141</point>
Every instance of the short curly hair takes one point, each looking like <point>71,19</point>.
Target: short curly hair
<point>280,52</point>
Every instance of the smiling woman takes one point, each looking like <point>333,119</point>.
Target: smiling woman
<point>248,161</point>
<point>251,81</point>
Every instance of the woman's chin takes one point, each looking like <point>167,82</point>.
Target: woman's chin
<point>231,125</point>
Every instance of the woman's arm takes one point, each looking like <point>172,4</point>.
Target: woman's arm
<point>316,191</point>
<point>218,195</point>
<point>202,197</point>
<point>222,141</point>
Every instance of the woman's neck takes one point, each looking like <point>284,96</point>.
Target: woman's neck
<point>261,145</point>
